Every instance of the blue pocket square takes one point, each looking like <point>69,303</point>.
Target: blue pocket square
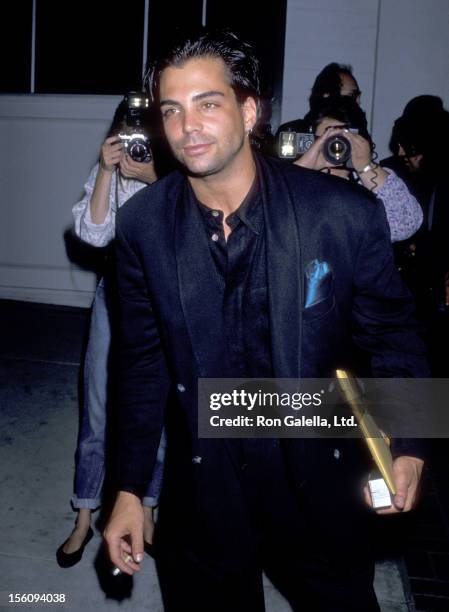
<point>318,282</point>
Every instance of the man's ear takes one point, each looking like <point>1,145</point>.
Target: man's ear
<point>249,113</point>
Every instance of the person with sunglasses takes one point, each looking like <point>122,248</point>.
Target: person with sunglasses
<point>342,116</point>
<point>333,80</point>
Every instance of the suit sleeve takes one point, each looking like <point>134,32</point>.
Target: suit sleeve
<point>383,312</point>
<point>143,380</point>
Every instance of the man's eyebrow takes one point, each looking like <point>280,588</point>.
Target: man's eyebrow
<point>208,94</point>
<point>170,102</point>
<point>200,96</point>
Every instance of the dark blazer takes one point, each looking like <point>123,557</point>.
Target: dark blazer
<point>172,333</point>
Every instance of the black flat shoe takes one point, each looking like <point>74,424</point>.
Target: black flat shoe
<point>70,559</point>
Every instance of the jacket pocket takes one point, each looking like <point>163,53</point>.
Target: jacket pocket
<point>319,310</point>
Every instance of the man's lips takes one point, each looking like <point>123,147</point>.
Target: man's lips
<point>196,149</point>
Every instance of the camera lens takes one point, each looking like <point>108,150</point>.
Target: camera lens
<point>139,151</point>
<point>337,150</point>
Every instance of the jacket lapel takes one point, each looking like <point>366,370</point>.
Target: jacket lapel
<point>284,271</point>
<point>201,290</point>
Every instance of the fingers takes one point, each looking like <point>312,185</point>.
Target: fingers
<point>143,171</point>
<point>407,472</point>
<point>402,482</point>
<point>367,497</point>
<point>124,533</point>
<point>120,556</point>
<point>111,152</point>
<point>120,553</point>
<point>126,166</point>
<point>137,545</point>
<point>407,475</point>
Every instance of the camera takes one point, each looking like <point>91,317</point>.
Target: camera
<point>293,144</point>
<point>134,138</point>
<point>336,149</point>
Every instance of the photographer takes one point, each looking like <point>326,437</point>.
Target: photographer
<point>112,181</point>
<point>341,116</point>
<point>419,143</point>
<point>333,80</point>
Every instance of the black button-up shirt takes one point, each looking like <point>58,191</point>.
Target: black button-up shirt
<point>241,266</point>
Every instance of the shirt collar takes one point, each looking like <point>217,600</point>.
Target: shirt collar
<point>249,212</point>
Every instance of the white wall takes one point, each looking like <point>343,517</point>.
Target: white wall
<point>398,48</point>
<point>413,59</point>
<point>49,144</point>
<point>324,31</point>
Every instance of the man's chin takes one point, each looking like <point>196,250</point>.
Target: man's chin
<point>200,171</point>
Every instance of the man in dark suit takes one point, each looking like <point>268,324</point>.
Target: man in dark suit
<point>215,266</point>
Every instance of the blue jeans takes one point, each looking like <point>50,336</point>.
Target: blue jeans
<point>90,452</point>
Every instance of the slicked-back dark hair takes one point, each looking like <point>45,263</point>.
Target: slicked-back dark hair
<point>239,57</point>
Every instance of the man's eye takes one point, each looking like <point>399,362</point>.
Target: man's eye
<point>167,112</point>
<point>209,105</point>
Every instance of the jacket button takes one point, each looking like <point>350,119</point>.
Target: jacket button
<point>197,459</point>
<point>336,453</point>
<point>181,388</point>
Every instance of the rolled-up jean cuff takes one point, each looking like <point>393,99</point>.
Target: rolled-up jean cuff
<point>150,502</point>
<point>91,504</point>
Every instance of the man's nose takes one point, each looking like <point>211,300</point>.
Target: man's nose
<point>191,121</point>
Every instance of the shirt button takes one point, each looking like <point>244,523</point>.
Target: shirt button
<point>215,237</point>
<point>181,388</point>
<point>215,213</point>
<point>197,459</point>
<point>336,453</point>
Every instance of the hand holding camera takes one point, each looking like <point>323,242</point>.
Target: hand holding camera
<point>360,151</point>
<point>338,147</point>
<point>129,149</point>
<point>331,149</point>
<point>141,171</point>
<point>111,153</point>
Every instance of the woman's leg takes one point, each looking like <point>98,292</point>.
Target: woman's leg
<point>90,452</point>
<point>79,533</point>
<point>151,499</point>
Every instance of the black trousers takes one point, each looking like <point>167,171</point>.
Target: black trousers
<point>317,559</point>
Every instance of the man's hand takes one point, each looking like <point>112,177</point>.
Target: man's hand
<point>124,533</point>
<point>407,473</point>
<point>142,171</point>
